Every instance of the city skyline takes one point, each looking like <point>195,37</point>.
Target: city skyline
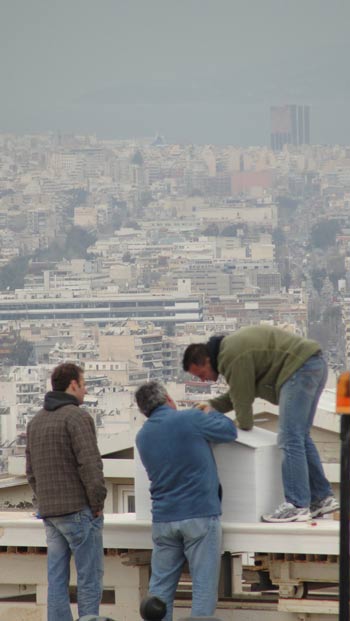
<point>199,71</point>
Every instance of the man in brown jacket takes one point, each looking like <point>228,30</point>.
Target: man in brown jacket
<point>64,469</point>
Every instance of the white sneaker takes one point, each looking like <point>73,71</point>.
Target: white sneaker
<point>287,512</point>
<point>322,507</point>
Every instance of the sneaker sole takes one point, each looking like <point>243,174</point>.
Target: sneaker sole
<point>326,512</point>
<point>296,518</point>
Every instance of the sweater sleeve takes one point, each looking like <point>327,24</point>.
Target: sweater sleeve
<point>84,444</point>
<point>240,376</point>
<point>214,426</point>
<point>222,403</point>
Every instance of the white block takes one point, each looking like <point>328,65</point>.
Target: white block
<point>250,474</point>
<point>249,471</point>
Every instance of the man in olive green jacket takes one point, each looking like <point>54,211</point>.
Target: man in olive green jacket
<point>285,369</point>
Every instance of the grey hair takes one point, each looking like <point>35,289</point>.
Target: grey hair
<point>149,396</point>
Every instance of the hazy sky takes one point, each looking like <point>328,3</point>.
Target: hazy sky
<point>201,71</point>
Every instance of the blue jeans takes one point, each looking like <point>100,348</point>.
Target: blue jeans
<point>79,534</point>
<point>303,477</point>
<point>197,540</point>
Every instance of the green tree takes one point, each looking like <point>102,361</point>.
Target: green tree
<point>132,224</point>
<point>76,196</point>
<point>12,274</point>
<point>286,202</point>
<point>317,277</point>
<point>77,242</point>
<point>323,233</point>
<point>54,252</point>
<point>146,198</point>
<point>71,199</point>
<point>278,236</point>
<point>21,353</point>
<point>137,158</point>
<point>336,269</point>
<point>212,230</point>
<point>229,231</point>
<point>286,280</point>
<point>128,258</point>
<point>18,222</point>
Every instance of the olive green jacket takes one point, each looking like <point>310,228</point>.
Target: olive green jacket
<point>255,362</point>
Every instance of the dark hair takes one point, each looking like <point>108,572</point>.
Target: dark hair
<point>62,375</point>
<point>149,396</point>
<point>196,353</point>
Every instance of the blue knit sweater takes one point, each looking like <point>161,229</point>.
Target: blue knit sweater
<point>175,450</point>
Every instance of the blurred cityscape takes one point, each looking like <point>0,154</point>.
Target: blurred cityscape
<point>117,254</point>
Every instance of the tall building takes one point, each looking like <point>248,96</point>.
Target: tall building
<point>290,124</point>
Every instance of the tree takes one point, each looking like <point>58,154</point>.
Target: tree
<point>132,224</point>
<point>137,158</point>
<point>12,274</point>
<point>318,276</point>
<point>336,268</point>
<point>117,220</point>
<point>212,230</point>
<point>229,231</point>
<point>286,280</point>
<point>73,198</point>
<point>21,354</point>
<point>54,252</point>
<point>128,258</point>
<point>323,233</point>
<point>286,202</point>
<point>278,236</point>
<point>146,198</point>
<point>18,222</point>
<point>76,196</point>
<point>77,242</point>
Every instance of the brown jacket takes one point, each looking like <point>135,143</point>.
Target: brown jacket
<point>63,463</point>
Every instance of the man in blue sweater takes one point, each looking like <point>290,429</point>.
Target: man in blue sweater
<point>185,491</point>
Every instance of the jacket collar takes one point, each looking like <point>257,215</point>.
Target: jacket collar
<point>56,399</point>
<point>213,346</point>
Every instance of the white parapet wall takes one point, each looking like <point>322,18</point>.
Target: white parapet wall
<point>128,542</point>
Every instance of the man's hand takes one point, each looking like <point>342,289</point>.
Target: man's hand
<point>205,407</point>
<point>98,514</point>
<point>242,428</point>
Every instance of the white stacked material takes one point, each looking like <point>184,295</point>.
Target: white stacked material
<point>250,473</point>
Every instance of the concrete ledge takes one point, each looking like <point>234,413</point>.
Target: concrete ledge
<point>123,531</point>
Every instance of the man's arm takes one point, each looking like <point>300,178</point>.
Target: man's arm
<point>214,426</point>
<point>243,411</point>
<point>222,403</point>
<point>240,377</point>
<point>84,444</point>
